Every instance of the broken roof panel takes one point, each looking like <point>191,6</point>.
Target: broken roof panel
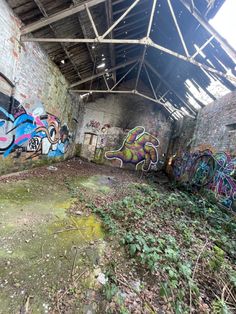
<point>179,29</point>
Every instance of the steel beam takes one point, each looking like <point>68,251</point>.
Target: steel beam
<point>43,11</point>
<point>145,47</point>
<point>200,65</point>
<point>120,19</point>
<point>85,34</point>
<point>151,18</point>
<point>227,47</point>
<point>81,40</point>
<point>119,66</point>
<point>177,27</point>
<point>109,11</point>
<point>108,87</point>
<point>192,110</point>
<point>92,21</point>
<point>132,92</point>
<point>150,82</point>
<point>152,99</point>
<point>140,67</point>
<point>58,16</point>
<point>143,41</point>
<point>202,47</point>
<point>124,76</point>
<point>99,91</point>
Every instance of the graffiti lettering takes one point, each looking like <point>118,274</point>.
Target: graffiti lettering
<point>139,147</point>
<point>213,171</point>
<point>33,131</point>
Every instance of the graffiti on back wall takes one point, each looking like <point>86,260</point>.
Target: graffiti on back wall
<point>139,147</point>
<point>30,130</point>
<point>213,171</point>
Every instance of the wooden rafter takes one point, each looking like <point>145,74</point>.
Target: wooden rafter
<point>43,11</point>
<point>58,16</point>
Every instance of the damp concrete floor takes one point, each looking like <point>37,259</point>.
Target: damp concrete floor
<point>51,246</point>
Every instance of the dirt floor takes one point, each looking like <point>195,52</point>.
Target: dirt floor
<point>50,243</point>
<point>76,237</point>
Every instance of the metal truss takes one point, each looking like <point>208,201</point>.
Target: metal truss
<point>145,42</point>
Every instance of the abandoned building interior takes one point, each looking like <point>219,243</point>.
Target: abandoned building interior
<point>117,157</point>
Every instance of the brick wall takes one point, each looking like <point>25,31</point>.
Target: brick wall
<point>111,118</point>
<point>41,93</point>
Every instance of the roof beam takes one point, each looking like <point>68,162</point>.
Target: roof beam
<point>92,77</point>
<point>105,91</point>
<point>170,87</point>
<point>43,11</point>
<point>84,33</point>
<point>109,11</point>
<point>177,27</point>
<point>143,41</point>
<point>132,92</point>
<point>199,50</point>
<point>120,18</point>
<point>124,76</point>
<point>145,47</point>
<point>150,82</point>
<point>58,16</point>
<point>228,48</point>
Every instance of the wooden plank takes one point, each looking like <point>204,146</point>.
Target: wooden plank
<point>227,47</point>
<point>58,16</point>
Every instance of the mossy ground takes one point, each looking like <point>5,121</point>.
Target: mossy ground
<point>162,250</point>
<point>42,246</point>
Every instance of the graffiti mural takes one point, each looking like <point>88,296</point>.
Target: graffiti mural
<point>33,130</point>
<point>94,125</point>
<point>216,172</point>
<point>224,180</point>
<point>139,147</point>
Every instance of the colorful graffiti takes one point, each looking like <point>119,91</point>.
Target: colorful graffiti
<point>139,147</point>
<point>213,171</point>
<point>33,130</point>
<point>94,125</point>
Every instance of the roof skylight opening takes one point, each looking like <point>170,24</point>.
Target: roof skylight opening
<point>101,65</point>
<point>224,22</point>
<point>84,95</point>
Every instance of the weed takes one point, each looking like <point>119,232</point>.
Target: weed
<point>220,307</point>
<point>217,259</point>
<point>163,234</point>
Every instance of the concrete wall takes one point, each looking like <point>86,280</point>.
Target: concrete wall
<point>38,116</point>
<point>109,119</point>
<point>216,126</point>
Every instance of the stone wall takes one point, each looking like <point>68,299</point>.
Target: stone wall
<point>213,129</point>
<point>210,160</point>
<point>38,117</point>
<point>108,120</point>
<point>182,136</point>
<point>216,126</point>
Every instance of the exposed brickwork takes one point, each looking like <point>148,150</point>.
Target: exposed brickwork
<point>36,79</point>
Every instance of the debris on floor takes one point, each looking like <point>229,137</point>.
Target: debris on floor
<point>93,239</point>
